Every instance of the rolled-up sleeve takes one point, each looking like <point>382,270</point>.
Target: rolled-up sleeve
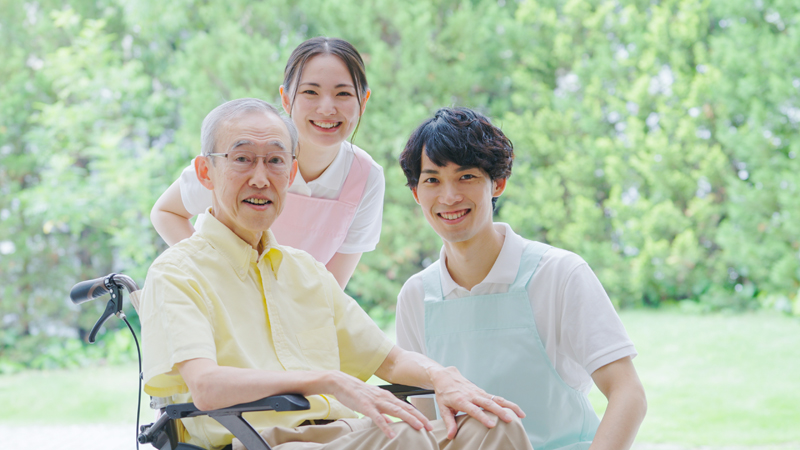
<point>362,345</point>
<point>175,328</point>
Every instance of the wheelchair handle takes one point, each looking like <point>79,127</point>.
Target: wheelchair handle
<point>91,289</point>
<point>88,290</point>
<point>150,433</point>
<point>110,284</point>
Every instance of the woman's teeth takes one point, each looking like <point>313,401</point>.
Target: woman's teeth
<point>327,125</point>
<point>257,201</point>
<point>453,215</point>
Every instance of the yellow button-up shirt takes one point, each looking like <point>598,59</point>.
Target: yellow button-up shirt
<point>213,296</point>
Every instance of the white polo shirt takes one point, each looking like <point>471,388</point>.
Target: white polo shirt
<point>364,231</point>
<point>577,323</point>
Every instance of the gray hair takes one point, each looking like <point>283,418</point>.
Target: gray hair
<point>232,109</point>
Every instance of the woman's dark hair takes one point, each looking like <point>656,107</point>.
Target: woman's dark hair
<point>326,46</point>
<point>462,136</point>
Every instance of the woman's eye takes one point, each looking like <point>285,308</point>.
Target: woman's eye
<point>309,91</point>
<point>344,94</point>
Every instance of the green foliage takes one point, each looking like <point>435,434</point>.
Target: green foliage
<point>82,121</point>
<point>666,154</point>
<point>658,140</point>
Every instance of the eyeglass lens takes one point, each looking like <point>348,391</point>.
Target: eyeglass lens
<point>243,160</point>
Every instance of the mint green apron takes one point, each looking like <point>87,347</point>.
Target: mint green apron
<point>493,341</point>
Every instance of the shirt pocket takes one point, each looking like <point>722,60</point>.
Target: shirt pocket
<point>320,348</point>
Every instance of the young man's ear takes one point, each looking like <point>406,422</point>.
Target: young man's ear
<point>414,192</point>
<point>201,168</point>
<point>286,102</point>
<point>498,186</point>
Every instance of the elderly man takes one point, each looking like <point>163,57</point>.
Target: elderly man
<point>230,316</point>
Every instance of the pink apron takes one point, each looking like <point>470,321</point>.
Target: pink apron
<point>319,225</point>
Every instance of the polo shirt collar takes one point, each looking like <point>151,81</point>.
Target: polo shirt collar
<point>332,178</point>
<point>505,268</point>
<point>236,251</point>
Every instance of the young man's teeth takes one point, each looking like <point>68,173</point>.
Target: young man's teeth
<point>326,124</point>
<point>453,216</point>
<point>257,201</point>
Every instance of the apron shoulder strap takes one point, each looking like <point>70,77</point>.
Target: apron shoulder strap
<point>356,181</point>
<point>531,256</point>
<point>432,282</point>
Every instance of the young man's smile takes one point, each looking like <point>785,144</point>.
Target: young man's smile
<point>453,216</point>
<point>457,200</point>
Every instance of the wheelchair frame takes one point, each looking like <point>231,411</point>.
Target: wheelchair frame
<point>163,434</point>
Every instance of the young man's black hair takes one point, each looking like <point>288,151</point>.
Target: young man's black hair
<point>461,136</point>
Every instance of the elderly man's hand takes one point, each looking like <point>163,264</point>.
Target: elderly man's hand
<point>455,393</point>
<point>375,403</point>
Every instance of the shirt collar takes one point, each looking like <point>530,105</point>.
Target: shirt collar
<point>505,268</point>
<point>332,178</point>
<point>239,253</point>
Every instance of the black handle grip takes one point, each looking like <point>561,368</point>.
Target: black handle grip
<point>88,290</point>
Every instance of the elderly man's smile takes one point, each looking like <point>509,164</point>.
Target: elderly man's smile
<point>258,203</point>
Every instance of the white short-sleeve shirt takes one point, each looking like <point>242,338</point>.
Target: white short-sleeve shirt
<point>577,323</point>
<point>364,231</point>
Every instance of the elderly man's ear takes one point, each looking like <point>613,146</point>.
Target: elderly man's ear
<point>201,168</point>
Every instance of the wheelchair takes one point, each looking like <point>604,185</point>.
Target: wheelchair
<point>163,433</point>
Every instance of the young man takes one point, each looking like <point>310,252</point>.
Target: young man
<point>230,316</point>
<point>521,319</point>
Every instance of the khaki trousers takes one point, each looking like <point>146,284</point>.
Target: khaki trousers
<point>362,434</point>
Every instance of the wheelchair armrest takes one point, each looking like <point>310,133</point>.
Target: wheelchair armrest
<point>285,402</point>
<point>402,391</point>
<point>162,435</point>
<point>231,417</point>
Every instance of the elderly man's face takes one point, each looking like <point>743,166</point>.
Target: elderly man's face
<point>248,199</point>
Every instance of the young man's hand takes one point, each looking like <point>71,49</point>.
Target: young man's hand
<point>455,393</point>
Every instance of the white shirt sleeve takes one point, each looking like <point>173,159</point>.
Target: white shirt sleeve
<point>591,332</point>
<point>196,198</point>
<point>410,316</point>
<point>576,321</point>
<point>365,230</point>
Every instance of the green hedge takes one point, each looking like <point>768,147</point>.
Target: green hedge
<point>657,139</point>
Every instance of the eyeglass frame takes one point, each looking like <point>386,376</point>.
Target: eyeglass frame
<point>255,159</point>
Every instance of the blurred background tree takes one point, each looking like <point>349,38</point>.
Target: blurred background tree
<point>657,139</point>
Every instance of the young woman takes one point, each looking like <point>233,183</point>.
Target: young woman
<point>335,205</point>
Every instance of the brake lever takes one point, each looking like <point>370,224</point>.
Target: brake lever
<point>113,307</point>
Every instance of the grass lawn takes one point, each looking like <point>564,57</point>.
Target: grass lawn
<point>715,380</point>
<point>82,396</point>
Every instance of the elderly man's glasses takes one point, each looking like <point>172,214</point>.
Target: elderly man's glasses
<point>244,161</point>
